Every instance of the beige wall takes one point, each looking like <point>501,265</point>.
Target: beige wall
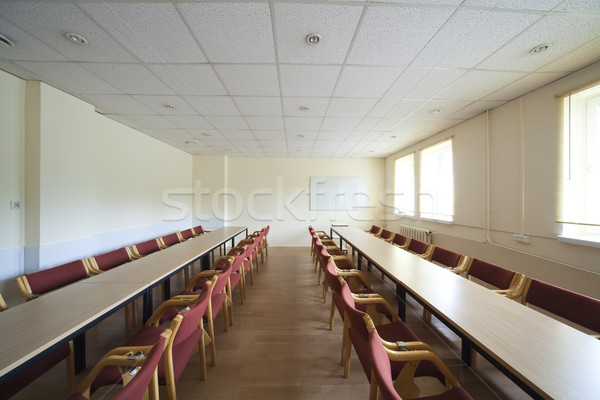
<point>521,157</point>
<point>87,183</point>
<point>275,192</point>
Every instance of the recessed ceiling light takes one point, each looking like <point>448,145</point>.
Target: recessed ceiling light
<point>169,106</point>
<point>436,111</point>
<point>313,38</point>
<point>299,135</point>
<point>77,39</point>
<point>539,49</point>
<point>394,137</point>
<point>189,142</point>
<point>205,134</point>
<point>6,41</point>
<point>304,108</point>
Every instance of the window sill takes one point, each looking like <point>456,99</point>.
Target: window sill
<point>581,241</point>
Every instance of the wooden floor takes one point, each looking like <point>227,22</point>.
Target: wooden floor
<point>280,346</point>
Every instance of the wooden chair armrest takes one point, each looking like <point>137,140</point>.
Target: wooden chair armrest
<point>355,273</point>
<point>175,301</point>
<point>24,287</point>
<point>516,288</point>
<point>376,300</point>
<point>424,355</point>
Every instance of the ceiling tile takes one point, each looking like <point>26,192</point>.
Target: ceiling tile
<point>173,134</point>
<point>227,122</point>
<point>159,104</point>
<point>446,107</point>
<point>537,5</point>
<point>270,135</point>
<point>406,81</point>
<point>189,121</point>
<point>206,134</point>
<point>477,84</point>
<point>213,105</point>
<point>357,81</point>
<point>564,33</point>
<point>580,6</point>
<point>434,82</point>
<point>29,48</point>
<point>147,30</point>
<point>189,79</point>
<point>17,70</point>
<point>302,135</point>
<point>259,106</point>
<point>265,123</point>
<point>130,78</point>
<point>249,80</point>
<point>70,77</point>
<point>476,108</point>
<point>150,121</point>
<point>333,135</point>
<point>308,80</point>
<point>303,123</point>
<point>305,106</point>
<point>366,123</point>
<point>383,106</point>
<point>350,107</point>
<point>524,85</point>
<point>116,103</point>
<point>302,144</point>
<point>53,20</point>
<point>405,107</point>
<point>232,32</point>
<point>493,30</point>
<point>582,56</point>
<point>339,124</point>
<point>335,23</point>
<point>400,33</point>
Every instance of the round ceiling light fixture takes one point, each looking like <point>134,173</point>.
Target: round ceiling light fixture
<point>188,142</point>
<point>6,41</point>
<point>313,38</point>
<point>75,38</point>
<point>539,49</point>
<point>169,106</point>
<point>436,111</point>
<point>304,108</point>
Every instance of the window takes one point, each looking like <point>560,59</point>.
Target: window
<point>579,165</point>
<point>404,188</point>
<point>436,195</point>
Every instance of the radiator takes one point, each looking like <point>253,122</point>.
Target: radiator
<point>424,235</point>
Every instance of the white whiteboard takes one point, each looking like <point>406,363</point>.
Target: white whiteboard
<point>338,193</point>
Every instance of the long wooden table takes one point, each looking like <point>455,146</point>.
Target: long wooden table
<point>36,328</point>
<point>545,357</point>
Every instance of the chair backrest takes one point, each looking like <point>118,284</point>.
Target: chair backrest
<point>575,307</point>
<point>192,316</point>
<point>400,239</point>
<point>198,230</point>
<point>355,316</point>
<point>417,246</point>
<point>493,274</point>
<point>225,264</point>
<point>375,229</point>
<point>170,240</point>
<point>136,388</point>
<point>3,305</point>
<point>445,257</point>
<point>187,234</point>
<point>386,235</point>
<point>41,282</point>
<point>112,259</point>
<point>381,368</point>
<point>145,248</point>
<point>332,277</point>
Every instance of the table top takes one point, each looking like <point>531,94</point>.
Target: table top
<point>552,358</point>
<point>31,328</point>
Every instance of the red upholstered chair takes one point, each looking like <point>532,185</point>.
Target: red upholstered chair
<point>509,283</point>
<point>375,230</point>
<point>454,262</point>
<point>330,251</point>
<point>386,235</point>
<point>142,249</point>
<point>40,282</point>
<point>572,306</point>
<point>322,236</point>
<point>185,235</point>
<point>169,240</point>
<point>22,379</point>
<point>401,241</point>
<point>138,362</point>
<point>198,230</point>
<point>238,270</point>
<point>357,336</point>
<point>420,248</point>
<point>384,354</point>
<point>187,338</point>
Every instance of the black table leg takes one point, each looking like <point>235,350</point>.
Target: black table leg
<point>401,297</point>
<point>206,261</point>
<point>147,305</point>
<point>79,352</point>
<point>167,288</point>
<point>465,352</point>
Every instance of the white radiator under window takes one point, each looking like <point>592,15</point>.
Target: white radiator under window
<point>424,235</point>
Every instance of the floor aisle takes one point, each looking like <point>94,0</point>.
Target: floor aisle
<point>280,347</point>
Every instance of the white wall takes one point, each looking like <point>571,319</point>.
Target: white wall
<point>275,192</point>
<point>91,184</point>
<point>522,162</point>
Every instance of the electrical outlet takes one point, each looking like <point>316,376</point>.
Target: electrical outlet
<point>521,238</point>
<point>15,204</point>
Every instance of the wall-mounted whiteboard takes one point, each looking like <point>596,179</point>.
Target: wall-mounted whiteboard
<point>338,193</point>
